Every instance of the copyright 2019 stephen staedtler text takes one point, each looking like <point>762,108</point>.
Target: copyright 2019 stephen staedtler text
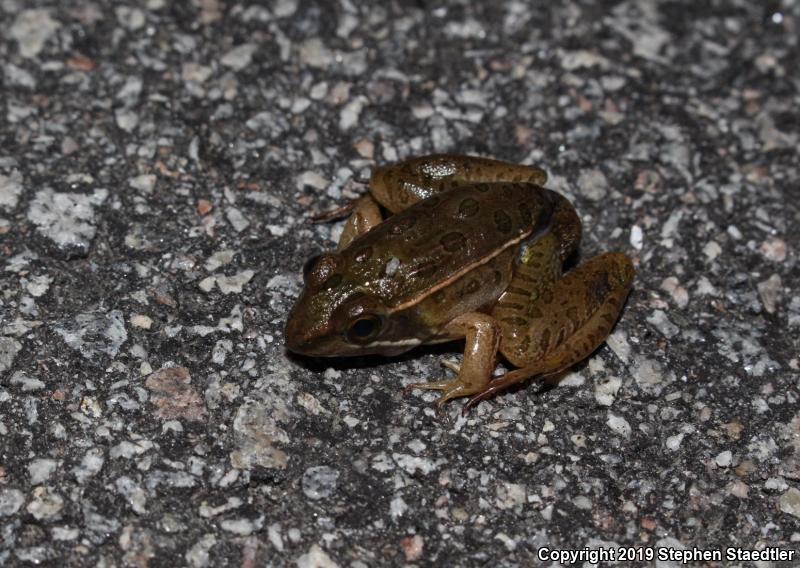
<point>623,554</point>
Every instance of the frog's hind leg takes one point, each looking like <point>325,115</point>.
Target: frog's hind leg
<point>400,185</point>
<point>538,268</point>
<point>365,215</point>
<point>570,320</point>
<point>516,310</point>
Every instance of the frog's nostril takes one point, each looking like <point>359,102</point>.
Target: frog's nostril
<point>301,339</point>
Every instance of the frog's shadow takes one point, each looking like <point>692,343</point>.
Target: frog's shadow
<point>320,364</point>
<point>539,386</point>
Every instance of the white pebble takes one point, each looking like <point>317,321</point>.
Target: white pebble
<point>319,482</point>
<point>637,237</point>
<point>724,459</point>
<point>712,250</point>
<point>141,321</point>
<point>674,442</point>
<point>239,57</point>
<point>605,391</point>
<point>619,425</point>
<point>351,113</point>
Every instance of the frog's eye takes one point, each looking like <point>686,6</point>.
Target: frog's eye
<point>364,328</point>
<point>309,265</point>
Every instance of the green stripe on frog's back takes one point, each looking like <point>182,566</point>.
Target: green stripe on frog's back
<point>422,249</point>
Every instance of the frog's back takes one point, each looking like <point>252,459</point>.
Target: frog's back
<point>435,241</point>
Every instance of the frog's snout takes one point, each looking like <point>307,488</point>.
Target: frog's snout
<point>297,336</point>
<point>307,335</point>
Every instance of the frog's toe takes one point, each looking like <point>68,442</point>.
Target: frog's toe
<point>441,401</point>
<point>474,400</point>
<point>448,395</point>
<point>335,214</point>
<point>443,385</point>
<point>453,388</point>
<point>452,365</point>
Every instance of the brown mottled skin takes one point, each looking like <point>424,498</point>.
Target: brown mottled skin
<point>473,249</point>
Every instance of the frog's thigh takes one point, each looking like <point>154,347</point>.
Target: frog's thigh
<point>482,338</point>
<point>569,321</point>
<point>366,214</point>
<point>516,311</point>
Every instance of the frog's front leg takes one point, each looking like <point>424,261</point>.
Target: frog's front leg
<point>564,324</point>
<point>482,336</point>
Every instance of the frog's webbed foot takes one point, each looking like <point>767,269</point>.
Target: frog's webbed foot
<point>451,388</point>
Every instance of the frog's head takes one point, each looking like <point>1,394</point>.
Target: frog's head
<point>334,317</point>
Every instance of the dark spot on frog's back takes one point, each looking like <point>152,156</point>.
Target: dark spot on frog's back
<point>502,221</point>
<point>468,208</point>
<point>403,225</point>
<point>318,270</point>
<point>453,242</point>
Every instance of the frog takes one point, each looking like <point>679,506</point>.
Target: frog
<point>445,248</point>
